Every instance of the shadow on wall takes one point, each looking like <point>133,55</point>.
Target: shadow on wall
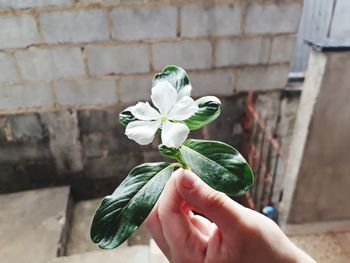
<point>87,148</point>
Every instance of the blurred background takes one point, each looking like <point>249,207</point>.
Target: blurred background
<point>68,67</point>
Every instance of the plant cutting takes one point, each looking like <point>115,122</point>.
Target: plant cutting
<point>173,114</point>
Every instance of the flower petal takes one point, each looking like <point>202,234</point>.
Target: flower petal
<point>174,134</point>
<point>142,132</point>
<point>163,96</point>
<point>143,111</point>
<point>183,109</point>
<point>185,91</point>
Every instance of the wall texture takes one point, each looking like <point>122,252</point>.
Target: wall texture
<point>68,67</point>
<point>317,179</point>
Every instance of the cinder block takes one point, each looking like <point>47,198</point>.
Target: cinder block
<point>144,23</point>
<point>109,143</point>
<point>214,82</point>
<point>22,153</point>
<point>225,127</point>
<point>187,54</point>
<point>272,18</point>
<point>262,78</point>
<point>114,166</point>
<point>135,88</point>
<point>214,20</point>
<point>64,140</point>
<point>19,4</point>
<point>282,49</point>
<point>9,174</point>
<point>85,92</point>
<point>47,64</point>
<point>8,71</point>
<point>18,31</point>
<point>26,96</point>
<point>93,145</point>
<point>98,120</point>
<point>242,52</point>
<point>27,127</point>
<point>104,60</point>
<point>75,26</point>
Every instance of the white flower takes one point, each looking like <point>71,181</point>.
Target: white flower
<point>172,108</point>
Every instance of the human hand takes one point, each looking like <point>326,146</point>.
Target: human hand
<point>237,234</point>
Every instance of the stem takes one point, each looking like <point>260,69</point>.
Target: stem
<point>179,165</point>
<point>179,159</point>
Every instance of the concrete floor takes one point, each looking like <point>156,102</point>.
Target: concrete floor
<point>42,213</point>
<point>79,239</point>
<point>32,224</point>
<point>132,254</point>
<point>325,248</point>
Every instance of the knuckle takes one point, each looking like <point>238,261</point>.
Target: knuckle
<point>215,200</point>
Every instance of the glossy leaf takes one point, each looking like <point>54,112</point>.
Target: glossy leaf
<point>219,165</point>
<point>175,75</point>
<point>121,213</point>
<point>209,110</point>
<point>126,116</point>
<point>171,152</point>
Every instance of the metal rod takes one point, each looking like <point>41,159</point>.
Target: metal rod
<point>256,193</point>
<point>266,175</point>
<point>273,178</point>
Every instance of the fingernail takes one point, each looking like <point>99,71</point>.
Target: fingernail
<point>188,179</point>
<point>178,172</point>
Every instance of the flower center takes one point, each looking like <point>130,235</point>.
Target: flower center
<point>163,118</point>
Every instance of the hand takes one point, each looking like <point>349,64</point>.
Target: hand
<point>237,234</point>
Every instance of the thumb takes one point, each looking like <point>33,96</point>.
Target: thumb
<point>218,207</point>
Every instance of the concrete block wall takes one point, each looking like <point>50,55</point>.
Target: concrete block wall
<point>101,43</point>
<point>71,65</point>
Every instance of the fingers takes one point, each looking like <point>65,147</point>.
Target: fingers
<point>153,224</point>
<point>215,205</point>
<point>180,233</point>
<point>202,224</point>
<point>174,221</point>
<point>185,241</point>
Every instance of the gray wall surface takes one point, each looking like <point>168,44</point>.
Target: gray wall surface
<point>67,68</point>
<point>317,179</point>
<point>320,19</point>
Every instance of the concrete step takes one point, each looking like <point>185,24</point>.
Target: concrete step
<point>33,225</point>
<point>141,237</point>
<point>79,243</point>
<point>134,254</point>
<point>156,255</point>
<point>79,238</point>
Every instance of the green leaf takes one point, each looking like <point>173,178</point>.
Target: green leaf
<point>171,152</point>
<point>175,75</point>
<point>209,110</point>
<point>219,165</point>
<point>121,213</point>
<point>126,116</point>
